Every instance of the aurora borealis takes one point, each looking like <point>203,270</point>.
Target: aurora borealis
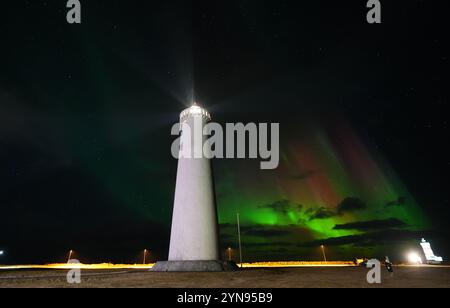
<point>86,112</point>
<point>326,182</point>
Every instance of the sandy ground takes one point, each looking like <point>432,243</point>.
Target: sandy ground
<point>404,277</point>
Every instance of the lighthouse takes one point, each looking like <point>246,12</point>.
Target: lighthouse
<point>194,223</point>
<point>194,244</point>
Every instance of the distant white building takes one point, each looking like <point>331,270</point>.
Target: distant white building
<point>429,255</point>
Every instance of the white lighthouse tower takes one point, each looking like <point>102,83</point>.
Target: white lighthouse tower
<point>194,222</point>
<point>194,235</point>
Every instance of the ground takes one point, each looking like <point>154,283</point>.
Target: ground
<point>408,277</point>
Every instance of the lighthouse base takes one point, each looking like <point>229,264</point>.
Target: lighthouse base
<point>194,266</point>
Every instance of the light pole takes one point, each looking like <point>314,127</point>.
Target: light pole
<point>239,238</point>
<point>229,253</point>
<point>70,256</point>
<point>145,254</point>
<point>323,252</point>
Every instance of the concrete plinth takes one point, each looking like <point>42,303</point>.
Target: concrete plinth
<point>194,266</point>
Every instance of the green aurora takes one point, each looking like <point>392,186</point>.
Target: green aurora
<point>325,183</point>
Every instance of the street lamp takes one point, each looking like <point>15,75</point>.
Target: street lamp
<point>323,252</point>
<point>2,252</point>
<point>229,253</point>
<point>145,254</point>
<point>70,256</point>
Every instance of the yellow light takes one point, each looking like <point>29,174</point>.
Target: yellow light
<point>67,266</point>
<point>300,264</point>
<point>109,266</point>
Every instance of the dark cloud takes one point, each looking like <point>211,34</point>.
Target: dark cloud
<point>321,213</point>
<point>371,225</point>
<point>398,202</point>
<point>283,206</point>
<point>349,205</point>
<point>269,244</point>
<point>256,230</point>
<point>263,231</point>
<point>389,236</point>
<point>229,231</point>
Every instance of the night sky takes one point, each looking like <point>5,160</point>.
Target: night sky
<point>86,112</point>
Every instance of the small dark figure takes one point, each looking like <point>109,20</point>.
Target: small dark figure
<point>388,265</point>
<point>364,262</point>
